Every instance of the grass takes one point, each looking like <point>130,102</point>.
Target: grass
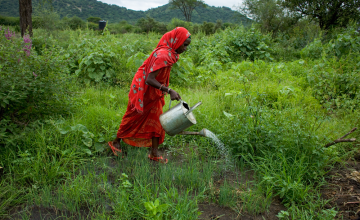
<point>63,176</point>
<point>60,175</point>
<point>265,112</point>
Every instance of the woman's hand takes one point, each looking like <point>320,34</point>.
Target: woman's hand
<point>174,95</point>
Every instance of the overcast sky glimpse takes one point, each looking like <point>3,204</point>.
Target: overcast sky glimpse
<point>147,4</point>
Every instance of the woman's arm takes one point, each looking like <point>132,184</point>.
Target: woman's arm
<point>151,80</point>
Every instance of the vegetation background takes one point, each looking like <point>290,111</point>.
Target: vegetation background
<point>274,96</point>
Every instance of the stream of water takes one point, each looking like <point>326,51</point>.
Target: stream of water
<point>219,145</point>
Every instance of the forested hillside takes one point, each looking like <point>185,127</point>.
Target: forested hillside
<point>114,13</point>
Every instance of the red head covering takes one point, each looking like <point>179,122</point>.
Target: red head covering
<point>164,55</point>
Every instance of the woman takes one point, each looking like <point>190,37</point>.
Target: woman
<point>140,126</point>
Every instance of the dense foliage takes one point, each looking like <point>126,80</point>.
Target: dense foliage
<point>274,101</point>
<point>328,13</point>
<point>29,88</point>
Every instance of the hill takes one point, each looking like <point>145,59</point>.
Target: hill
<point>114,13</point>
<point>199,15</point>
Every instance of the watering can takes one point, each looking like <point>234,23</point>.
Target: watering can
<point>179,118</point>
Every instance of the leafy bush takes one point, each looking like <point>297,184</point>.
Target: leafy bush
<point>313,50</point>
<point>149,24</point>
<point>175,22</point>
<point>74,22</point>
<point>207,27</point>
<point>345,43</point>
<point>336,83</point>
<point>97,66</point>
<point>9,21</point>
<point>93,19</point>
<point>31,86</point>
<point>46,19</point>
<point>247,44</point>
<point>121,27</point>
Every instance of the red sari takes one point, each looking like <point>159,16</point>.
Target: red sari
<point>141,120</point>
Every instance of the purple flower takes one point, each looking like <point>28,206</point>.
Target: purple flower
<point>9,34</point>
<point>34,74</point>
<point>27,39</point>
<point>28,44</point>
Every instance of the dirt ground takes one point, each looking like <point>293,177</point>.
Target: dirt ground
<point>343,189</point>
<point>214,211</point>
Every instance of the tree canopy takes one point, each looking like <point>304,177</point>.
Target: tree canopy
<point>270,14</point>
<point>186,6</point>
<point>329,13</point>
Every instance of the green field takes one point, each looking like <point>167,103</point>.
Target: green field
<point>273,104</point>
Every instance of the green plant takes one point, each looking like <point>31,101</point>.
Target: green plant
<point>32,86</point>
<point>227,195</point>
<point>97,66</point>
<point>254,201</point>
<point>87,136</point>
<point>124,181</point>
<point>248,44</point>
<point>155,210</point>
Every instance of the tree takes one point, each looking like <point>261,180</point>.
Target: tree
<point>94,19</point>
<point>186,6</point>
<point>25,11</point>
<point>147,24</point>
<point>329,13</point>
<point>271,15</point>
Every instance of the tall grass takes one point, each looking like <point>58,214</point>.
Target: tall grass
<point>275,118</point>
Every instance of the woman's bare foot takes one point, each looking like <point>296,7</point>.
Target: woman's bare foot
<point>154,151</point>
<point>115,146</point>
<point>116,143</point>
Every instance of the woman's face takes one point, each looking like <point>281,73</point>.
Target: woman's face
<point>183,47</point>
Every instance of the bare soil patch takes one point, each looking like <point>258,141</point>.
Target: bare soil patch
<point>214,211</point>
<point>343,189</point>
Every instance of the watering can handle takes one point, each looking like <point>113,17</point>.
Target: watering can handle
<point>170,103</point>
<point>192,108</point>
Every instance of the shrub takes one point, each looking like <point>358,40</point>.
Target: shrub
<point>249,44</point>
<point>93,19</point>
<point>9,21</point>
<point>46,19</point>
<point>207,27</point>
<point>31,86</point>
<point>76,23</point>
<point>312,50</point>
<point>345,43</point>
<point>336,83</point>
<point>175,22</point>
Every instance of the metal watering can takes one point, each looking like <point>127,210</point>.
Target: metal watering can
<point>179,118</point>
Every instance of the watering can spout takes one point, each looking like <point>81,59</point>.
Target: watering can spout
<point>202,133</point>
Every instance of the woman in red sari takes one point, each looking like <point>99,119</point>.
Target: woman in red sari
<point>140,126</point>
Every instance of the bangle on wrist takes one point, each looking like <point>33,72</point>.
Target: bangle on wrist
<point>161,87</point>
<point>168,90</point>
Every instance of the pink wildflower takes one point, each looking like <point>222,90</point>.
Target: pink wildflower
<point>34,74</point>
<point>9,34</point>
<point>28,44</point>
